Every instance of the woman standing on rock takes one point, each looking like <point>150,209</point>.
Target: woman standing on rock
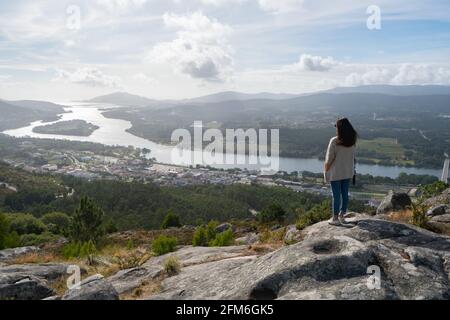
<point>340,168</point>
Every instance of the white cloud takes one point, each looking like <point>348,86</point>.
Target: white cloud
<point>309,62</point>
<point>143,78</point>
<point>121,5</point>
<point>201,49</point>
<point>280,6</point>
<point>218,3</point>
<point>88,76</point>
<point>404,74</point>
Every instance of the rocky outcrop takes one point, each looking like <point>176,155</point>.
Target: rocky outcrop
<point>292,234</point>
<point>439,210</point>
<point>330,263</point>
<point>20,287</point>
<point>47,271</point>
<point>394,202</point>
<point>92,288</point>
<point>443,198</point>
<point>224,227</point>
<point>248,239</point>
<point>30,281</point>
<point>127,280</point>
<point>9,254</point>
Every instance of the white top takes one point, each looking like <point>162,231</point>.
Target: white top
<point>342,161</point>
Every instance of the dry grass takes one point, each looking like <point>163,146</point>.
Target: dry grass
<point>263,248</point>
<point>144,238</point>
<point>147,289</point>
<point>404,216</point>
<point>275,237</point>
<point>60,286</point>
<point>35,258</point>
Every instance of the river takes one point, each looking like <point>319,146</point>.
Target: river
<point>113,132</point>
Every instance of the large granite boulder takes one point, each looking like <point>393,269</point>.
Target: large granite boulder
<point>330,263</point>
<point>394,202</point>
<point>47,271</point>
<point>21,287</point>
<point>126,281</point>
<point>92,288</point>
<point>224,227</point>
<point>248,239</point>
<point>438,210</point>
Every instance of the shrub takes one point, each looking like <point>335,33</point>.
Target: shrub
<point>200,237</point>
<point>434,189</point>
<point>32,239</point>
<point>223,239</point>
<point>171,220</point>
<point>172,266</point>
<point>419,217</point>
<point>87,222</point>
<point>79,249</point>
<point>211,229</point>
<point>272,213</point>
<point>26,224</point>
<point>163,245</point>
<point>317,214</point>
<point>56,222</point>
<point>205,234</point>
<point>4,231</point>
<point>130,244</point>
<point>12,240</point>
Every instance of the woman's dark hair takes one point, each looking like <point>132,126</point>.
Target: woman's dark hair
<point>347,135</point>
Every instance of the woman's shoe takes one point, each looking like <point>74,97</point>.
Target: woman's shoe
<point>334,221</point>
<point>344,222</point>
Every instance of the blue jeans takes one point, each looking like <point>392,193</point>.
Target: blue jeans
<point>340,191</point>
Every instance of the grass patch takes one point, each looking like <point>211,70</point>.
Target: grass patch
<point>172,266</point>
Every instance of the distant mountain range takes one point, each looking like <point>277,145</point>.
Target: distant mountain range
<point>130,100</point>
<point>395,90</point>
<point>126,99</point>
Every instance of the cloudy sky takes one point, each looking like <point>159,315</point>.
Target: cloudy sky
<point>168,49</point>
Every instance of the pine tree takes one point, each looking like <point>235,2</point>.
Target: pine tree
<point>87,222</point>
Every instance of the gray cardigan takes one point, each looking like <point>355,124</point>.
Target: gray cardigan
<point>342,161</point>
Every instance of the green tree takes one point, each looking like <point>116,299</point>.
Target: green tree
<point>171,220</point>
<point>4,231</point>
<point>272,213</point>
<point>26,224</point>
<point>56,222</point>
<point>87,222</point>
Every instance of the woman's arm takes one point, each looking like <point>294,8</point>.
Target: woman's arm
<point>331,155</point>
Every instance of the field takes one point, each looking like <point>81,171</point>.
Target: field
<point>383,148</point>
